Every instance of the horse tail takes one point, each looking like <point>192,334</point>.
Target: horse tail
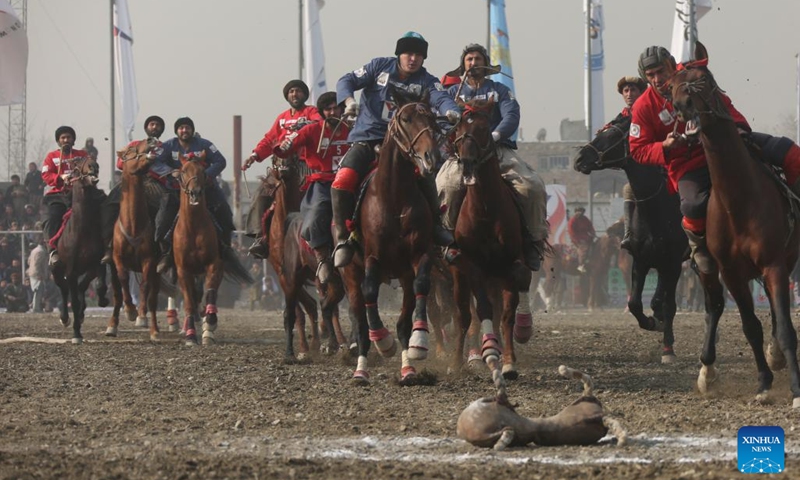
<point>233,268</point>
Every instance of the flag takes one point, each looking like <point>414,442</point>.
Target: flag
<point>595,30</point>
<point>557,213</point>
<point>680,28</point>
<point>123,59</point>
<point>313,52</point>
<point>13,56</point>
<point>499,49</point>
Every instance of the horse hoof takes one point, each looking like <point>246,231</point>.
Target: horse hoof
<point>523,327</point>
<point>407,374</point>
<point>386,346</point>
<point>77,341</point>
<point>154,337</point>
<point>510,372</point>
<point>668,359</point>
<point>111,332</point>
<point>131,314</point>
<point>775,358</point>
<point>141,322</point>
<point>360,378</point>
<point>172,327</point>
<point>706,378</point>
<point>290,360</point>
<point>796,402</point>
<point>764,398</point>
<point>210,322</point>
<point>65,322</point>
<point>303,357</point>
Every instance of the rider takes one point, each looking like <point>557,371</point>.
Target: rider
<point>582,233</point>
<point>186,144</point>
<point>404,71</point>
<point>298,115</point>
<point>532,199</point>
<point>56,170</point>
<point>325,143</point>
<point>631,88</point>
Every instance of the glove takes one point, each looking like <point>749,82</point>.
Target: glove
<point>286,144</point>
<point>453,116</point>
<point>350,108</point>
<point>250,161</point>
<point>65,177</point>
<point>495,136</point>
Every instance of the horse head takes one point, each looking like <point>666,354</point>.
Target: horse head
<point>413,128</point>
<point>286,169</point>
<point>609,149</point>
<point>472,137</point>
<point>85,171</point>
<point>695,94</point>
<point>192,176</point>
<point>136,159</point>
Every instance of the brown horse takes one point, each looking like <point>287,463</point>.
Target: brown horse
<point>395,229</point>
<point>488,230</point>
<point>296,266</point>
<point>749,232</point>
<point>196,249</point>
<point>134,245</point>
<point>80,245</point>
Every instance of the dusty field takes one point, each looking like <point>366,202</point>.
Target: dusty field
<point>128,408</point>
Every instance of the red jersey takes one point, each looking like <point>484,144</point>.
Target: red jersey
<point>55,165</point>
<point>653,121</point>
<point>580,229</point>
<point>283,125</point>
<point>324,162</point>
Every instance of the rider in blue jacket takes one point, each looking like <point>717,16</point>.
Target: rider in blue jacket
<point>405,72</point>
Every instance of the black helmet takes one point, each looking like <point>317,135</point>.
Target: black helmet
<point>652,57</point>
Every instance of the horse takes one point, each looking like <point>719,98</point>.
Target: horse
<point>295,265</point>
<point>657,240</point>
<point>562,261</point>
<point>750,231</point>
<point>196,249</point>
<point>80,245</point>
<point>134,246</point>
<point>394,231</point>
<point>488,230</point>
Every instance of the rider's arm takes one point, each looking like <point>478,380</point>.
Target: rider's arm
<point>358,79</point>
<point>299,139</point>
<point>216,162</point>
<point>265,146</point>
<point>441,100</point>
<point>645,147</point>
<point>509,113</point>
<point>50,171</point>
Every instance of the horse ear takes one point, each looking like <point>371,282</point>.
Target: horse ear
<point>398,96</point>
<point>700,52</point>
<point>426,96</point>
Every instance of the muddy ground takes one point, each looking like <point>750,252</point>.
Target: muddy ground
<point>129,408</point>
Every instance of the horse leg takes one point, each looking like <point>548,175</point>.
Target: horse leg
<point>113,322</point>
<point>474,358</point>
<point>172,315</point>
<point>353,277</point>
<point>310,306</point>
<point>510,302</point>
<point>124,280</point>
<point>715,304</point>
<point>523,320</point>
<point>77,309</point>
<point>378,333</point>
<point>777,279</point>
<point>102,287</point>
<point>669,278</point>
<point>635,306</point>
<point>186,282</point>
<point>289,317</point>
<point>461,317</point>
<point>775,358</point>
<point>213,280</point>
<point>490,344</point>
<point>63,287</point>
<point>404,331</point>
<point>149,295</point>
<point>418,343</point>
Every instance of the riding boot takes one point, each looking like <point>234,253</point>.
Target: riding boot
<point>702,258</point>
<point>796,187</point>
<point>166,262</point>
<point>344,204</point>
<point>260,247</point>
<point>324,269</point>
<point>532,250</point>
<point>451,252</point>
<point>441,235</point>
<point>627,210</point>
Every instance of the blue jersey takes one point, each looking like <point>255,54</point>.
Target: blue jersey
<point>376,107</point>
<point>214,160</point>
<point>505,115</point>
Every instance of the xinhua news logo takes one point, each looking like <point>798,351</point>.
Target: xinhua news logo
<point>761,450</point>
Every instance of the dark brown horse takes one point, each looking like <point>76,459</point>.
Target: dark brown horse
<point>395,230</point>
<point>80,245</point>
<point>748,231</point>
<point>488,231</point>
<point>196,249</point>
<point>296,266</point>
<point>134,245</point>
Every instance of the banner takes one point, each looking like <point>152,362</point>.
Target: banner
<point>680,28</point>
<point>557,214</point>
<point>595,30</point>
<point>123,59</point>
<point>313,52</point>
<point>499,49</point>
<point>13,56</point>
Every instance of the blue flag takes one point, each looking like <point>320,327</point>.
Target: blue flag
<point>499,48</point>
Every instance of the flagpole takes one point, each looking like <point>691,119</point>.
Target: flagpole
<point>692,29</point>
<point>113,113</point>
<point>489,25</point>
<point>589,92</point>
<point>300,31</point>
<point>797,118</point>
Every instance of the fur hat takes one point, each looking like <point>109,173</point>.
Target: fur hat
<point>412,42</point>
<point>295,84</point>
<point>183,121</point>
<point>474,47</point>
<point>157,119</point>
<point>638,82</point>
<point>65,129</point>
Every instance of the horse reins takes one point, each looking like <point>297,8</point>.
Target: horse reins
<point>485,152</point>
<point>399,135</point>
<point>601,153</point>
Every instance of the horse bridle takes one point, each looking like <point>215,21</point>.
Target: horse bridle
<point>185,185</point>
<point>697,87</point>
<point>602,153</point>
<point>399,135</point>
<point>485,152</point>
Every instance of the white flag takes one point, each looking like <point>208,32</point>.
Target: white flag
<point>597,63</point>
<point>313,53</point>
<point>13,56</point>
<point>123,56</point>
<point>680,28</point>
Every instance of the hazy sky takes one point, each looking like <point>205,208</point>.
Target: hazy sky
<point>211,60</point>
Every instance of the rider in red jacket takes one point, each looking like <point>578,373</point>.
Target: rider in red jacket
<point>582,233</point>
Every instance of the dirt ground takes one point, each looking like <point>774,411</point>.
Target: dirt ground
<point>129,408</point>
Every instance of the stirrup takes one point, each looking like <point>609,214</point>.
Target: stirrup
<point>324,270</point>
<point>259,249</point>
<point>54,258</point>
<point>626,242</point>
<point>451,254</point>
<point>165,263</point>
<point>343,254</point>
